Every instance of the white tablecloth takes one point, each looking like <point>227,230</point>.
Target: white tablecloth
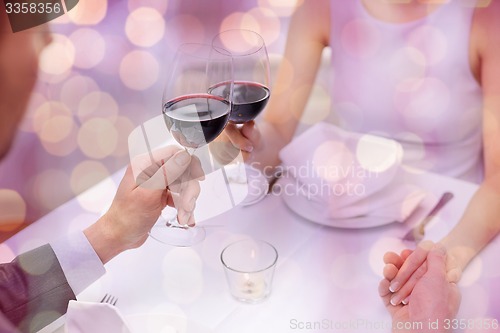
<point>326,277</point>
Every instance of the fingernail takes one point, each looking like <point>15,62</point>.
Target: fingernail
<point>192,225</point>
<point>395,301</point>
<point>405,301</point>
<point>249,149</point>
<point>182,158</point>
<point>394,286</point>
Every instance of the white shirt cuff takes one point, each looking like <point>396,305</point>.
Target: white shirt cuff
<point>78,260</point>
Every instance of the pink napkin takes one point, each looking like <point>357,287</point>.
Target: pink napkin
<point>333,174</point>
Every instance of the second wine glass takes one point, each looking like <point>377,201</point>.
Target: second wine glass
<point>194,116</point>
<point>251,73</point>
<point>251,93</point>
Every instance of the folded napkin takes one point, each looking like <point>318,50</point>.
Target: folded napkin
<point>87,317</point>
<point>333,175</point>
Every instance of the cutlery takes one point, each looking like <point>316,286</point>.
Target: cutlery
<point>274,180</point>
<point>416,234</point>
<point>110,299</point>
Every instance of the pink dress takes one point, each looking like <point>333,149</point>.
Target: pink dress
<point>411,82</point>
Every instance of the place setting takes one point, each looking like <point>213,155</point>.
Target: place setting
<point>364,184</point>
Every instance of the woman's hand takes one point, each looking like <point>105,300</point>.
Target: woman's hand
<point>433,297</point>
<point>235,138</point>
<point>150,183</point>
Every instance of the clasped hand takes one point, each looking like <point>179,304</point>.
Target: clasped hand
<point>416,289</point>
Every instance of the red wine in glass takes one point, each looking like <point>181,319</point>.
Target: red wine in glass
<point>249,99</point>
<point>251,81</point>
<point>195,120</point>
<point>251,73</point>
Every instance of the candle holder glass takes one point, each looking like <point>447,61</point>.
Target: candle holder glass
<point>249,267</point>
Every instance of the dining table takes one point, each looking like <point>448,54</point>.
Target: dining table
<point>326,278</point>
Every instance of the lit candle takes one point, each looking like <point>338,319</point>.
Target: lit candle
<point>252,287</point>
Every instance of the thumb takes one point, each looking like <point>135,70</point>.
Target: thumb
<point>169,171</point>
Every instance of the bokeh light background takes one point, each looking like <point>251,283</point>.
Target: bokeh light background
<point>104,74</point>
<point>101,77</point>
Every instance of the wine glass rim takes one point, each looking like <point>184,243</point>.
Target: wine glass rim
<point>220,50</point>
<point>254,271</point>
<point>253,50</point>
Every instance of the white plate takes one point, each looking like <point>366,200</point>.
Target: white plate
<point>390,207</point>
<point>163,323</point>
<point>359,222</point>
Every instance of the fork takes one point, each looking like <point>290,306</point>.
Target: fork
<point>110,299</point>
<point>416,234</point>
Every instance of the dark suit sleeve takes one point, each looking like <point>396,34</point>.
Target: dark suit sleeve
<point>33,290</point>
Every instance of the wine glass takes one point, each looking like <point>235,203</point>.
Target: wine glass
<point>251,93</point>
<point>251,73</point>
<point>194,117</point>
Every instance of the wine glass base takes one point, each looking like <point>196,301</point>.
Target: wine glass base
<point>177,236</point>
<point>251,179</point>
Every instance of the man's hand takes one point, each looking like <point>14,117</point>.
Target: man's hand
<point>150,183</point>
